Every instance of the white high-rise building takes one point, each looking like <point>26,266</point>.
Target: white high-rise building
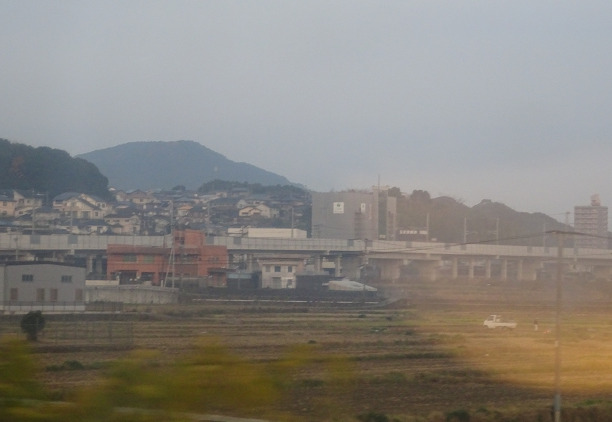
<point>592,220</point>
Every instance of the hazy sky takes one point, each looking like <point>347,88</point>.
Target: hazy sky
<point>504,100</point>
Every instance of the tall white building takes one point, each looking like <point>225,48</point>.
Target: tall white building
<point>591,220</point>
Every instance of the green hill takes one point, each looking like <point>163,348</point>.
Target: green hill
<point>47,170</point>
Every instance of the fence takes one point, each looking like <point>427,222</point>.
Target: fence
<point>72,330</point>
<point>76,330</point>
<point>24,306</point>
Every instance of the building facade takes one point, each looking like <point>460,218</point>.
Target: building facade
<point>354,215</point>
<point>279,272</point>
<point>188,258</point>
<point>41,286</point>
<point>592,220</point>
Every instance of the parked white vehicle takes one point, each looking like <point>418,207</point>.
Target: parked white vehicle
<point>495,321</point>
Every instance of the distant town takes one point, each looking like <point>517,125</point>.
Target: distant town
<point>275,239</point>
<point>149,213</point>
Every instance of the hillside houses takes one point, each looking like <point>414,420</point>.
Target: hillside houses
<point>81,206</point>
<point>260,210</point>
<point>7,206</point>
<point>16,203</point>
<point>147,212</point>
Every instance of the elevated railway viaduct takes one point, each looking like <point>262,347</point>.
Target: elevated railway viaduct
<point>392,260</point>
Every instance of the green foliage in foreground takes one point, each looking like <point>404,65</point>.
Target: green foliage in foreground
<point>142,387</point>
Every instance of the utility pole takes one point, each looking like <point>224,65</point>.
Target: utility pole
<point>557,398</point>
<point>497,231</point>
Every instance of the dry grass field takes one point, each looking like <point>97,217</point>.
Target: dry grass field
<point>423,357</point>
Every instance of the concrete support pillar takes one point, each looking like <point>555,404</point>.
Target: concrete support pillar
<point>428,270</point>
<point>471,269</point>
<point>89,264</point>
<point>530,270</point>
<point>250,263</point>
<point>338,266</point>
<point>488,268</point>
<point>97,264</point>
<point>504,269</point>
<point>455,268</point>
<point>351,266</point>
<point>390,269</point>
<point>318,263</point>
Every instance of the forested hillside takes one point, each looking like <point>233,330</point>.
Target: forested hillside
<point>451,221</point>
<point>47,170</point>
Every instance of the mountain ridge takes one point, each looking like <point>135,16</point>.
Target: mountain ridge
<point>165,164</point>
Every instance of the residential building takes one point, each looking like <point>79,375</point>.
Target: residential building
<point>592,221</point>
<point>26,202</point>
<point>7,206</point>
<point>124,222</point>
<point>17,203</point>
<point>45,286</point>
<point>279,272</point>
<point>260,210</point>
<point>81,205</point>
<point>138,197</point>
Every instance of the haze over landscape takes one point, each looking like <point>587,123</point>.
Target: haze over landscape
<point>501,100</point>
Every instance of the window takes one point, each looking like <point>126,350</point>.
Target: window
<point>40,295</point>
<point>66,279</point>
<point>129,258</point>
<point>277,268</point>
<point>148,259</point>
<point>78,295</point>
<point>14,294</point>
<point>53,295</point>
<point>290,268</point>
<point>27,277</point>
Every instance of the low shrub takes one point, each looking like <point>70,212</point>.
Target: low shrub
<point>373,417</point>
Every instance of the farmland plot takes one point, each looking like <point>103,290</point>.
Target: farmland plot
<point>427,358</point>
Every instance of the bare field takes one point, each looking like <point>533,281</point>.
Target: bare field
<point>424,356</point>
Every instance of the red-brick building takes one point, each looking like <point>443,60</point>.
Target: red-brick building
<point>190,258</point>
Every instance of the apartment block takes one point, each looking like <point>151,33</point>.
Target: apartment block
<point>592,221</point>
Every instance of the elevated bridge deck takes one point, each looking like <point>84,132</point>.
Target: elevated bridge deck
<point>430,256</point>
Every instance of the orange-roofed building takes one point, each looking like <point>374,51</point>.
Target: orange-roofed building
<point>190,258</point>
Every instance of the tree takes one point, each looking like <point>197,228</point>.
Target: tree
<point>32,323</point>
